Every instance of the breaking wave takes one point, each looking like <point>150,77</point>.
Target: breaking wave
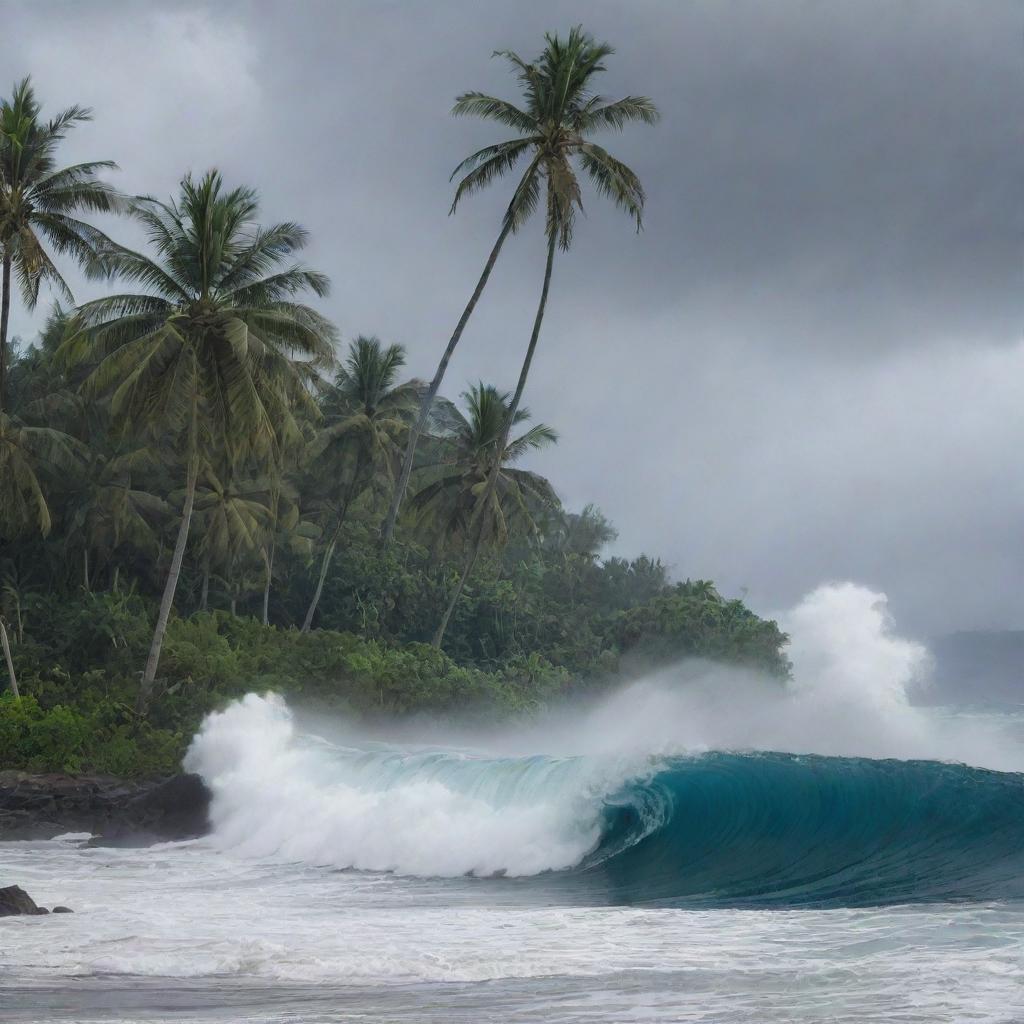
<point>673,791</point>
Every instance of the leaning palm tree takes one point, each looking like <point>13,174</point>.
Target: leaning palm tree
<point>215,356</point>
<point>367,415</point>
<point>452,492</point>
<point>38,201</point>
<point>554,126</point>
<point>560,112</point>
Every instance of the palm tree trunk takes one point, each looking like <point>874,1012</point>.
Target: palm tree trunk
<point>5,314</point>
<point>149,675</point>
<point>325,565</point>
<point>85,568</point>
<point>479,510</point>
<point>268,562</point>
<point>117,576</point>
<point>468,565</point>
<point>10,661</point>
<point>234,606</point>
<point>428,399</point>
<point>204,596</point>
<point>353,490</point>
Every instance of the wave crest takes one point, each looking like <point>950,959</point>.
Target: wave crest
<point>706,830</point>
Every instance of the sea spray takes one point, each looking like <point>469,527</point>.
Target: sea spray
<point>659,793</point>
<point>278,792</point>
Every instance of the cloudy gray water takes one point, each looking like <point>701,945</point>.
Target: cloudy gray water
<point>187,932</point>
<point>196,932</point>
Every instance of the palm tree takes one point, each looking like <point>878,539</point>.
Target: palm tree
<point>215,356</point>
<point>559,115</point>
<point>555,127</point>
<point>285,526</point>
<point>367,415</point>
<point>234,522</point>
<point>27,455</point>
<point>109,511</point>
<point>580,534</point>
<point>37,203</point>
<point>454,493</point>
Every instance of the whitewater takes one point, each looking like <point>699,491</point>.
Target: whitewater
<point>702,845</point>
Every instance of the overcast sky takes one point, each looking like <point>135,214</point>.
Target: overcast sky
<point>808,367</point>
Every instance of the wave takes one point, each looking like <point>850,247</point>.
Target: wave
<point>782,829</point>
<point>713,829</point>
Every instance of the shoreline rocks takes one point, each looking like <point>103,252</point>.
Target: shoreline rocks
<point>116,811</point>
<point>15,902</point>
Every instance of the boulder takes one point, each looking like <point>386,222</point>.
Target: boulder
<point>15,901</point>
<point>122,812</point>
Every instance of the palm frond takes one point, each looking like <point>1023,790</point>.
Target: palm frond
<point>478,104</point>
<point>614,179</point>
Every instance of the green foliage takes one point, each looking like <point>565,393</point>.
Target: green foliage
<point>67,739</point>
<point>192,443</point>
<point>693,620</point>
<point>450,488</point>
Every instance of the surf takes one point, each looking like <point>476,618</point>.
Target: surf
<point>696,786</point>
<point>711,829</point>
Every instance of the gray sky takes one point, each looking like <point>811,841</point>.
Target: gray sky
<point>808,367</point>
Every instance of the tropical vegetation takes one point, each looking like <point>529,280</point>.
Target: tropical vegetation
<point>204,490</point>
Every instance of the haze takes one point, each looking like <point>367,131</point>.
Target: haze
<point>807,367</point>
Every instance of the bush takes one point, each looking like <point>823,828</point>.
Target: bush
<point>64,739</point>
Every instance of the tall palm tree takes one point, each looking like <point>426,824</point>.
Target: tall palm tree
<point>367,415</point>
<point>559,114</point>
<point>215,356</point>
<point>454,492</point>
<point>37,202</point>
<point>554,126</point>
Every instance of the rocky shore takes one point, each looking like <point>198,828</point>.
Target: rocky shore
<point>116,811</point>
<point>15,902</point>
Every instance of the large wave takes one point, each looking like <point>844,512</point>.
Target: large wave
<point>668,793</point>
<point>706,829</point>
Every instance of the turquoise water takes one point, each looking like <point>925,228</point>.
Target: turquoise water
<point>365,881</point>
<point>781,830</point>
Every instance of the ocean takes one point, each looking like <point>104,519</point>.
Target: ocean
<point>701,845</point>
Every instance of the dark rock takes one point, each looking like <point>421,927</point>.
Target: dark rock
<point>62,910</point>
<point>15,901</point>
<point>122,812</point>
<point>177,808</point>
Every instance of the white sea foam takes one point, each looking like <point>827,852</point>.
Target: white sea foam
<point>849,696</point>
<point>152,926</point>
<point>529,799</point>
<point>277,794</point>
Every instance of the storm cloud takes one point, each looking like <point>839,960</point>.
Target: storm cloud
<point>808,366</point>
